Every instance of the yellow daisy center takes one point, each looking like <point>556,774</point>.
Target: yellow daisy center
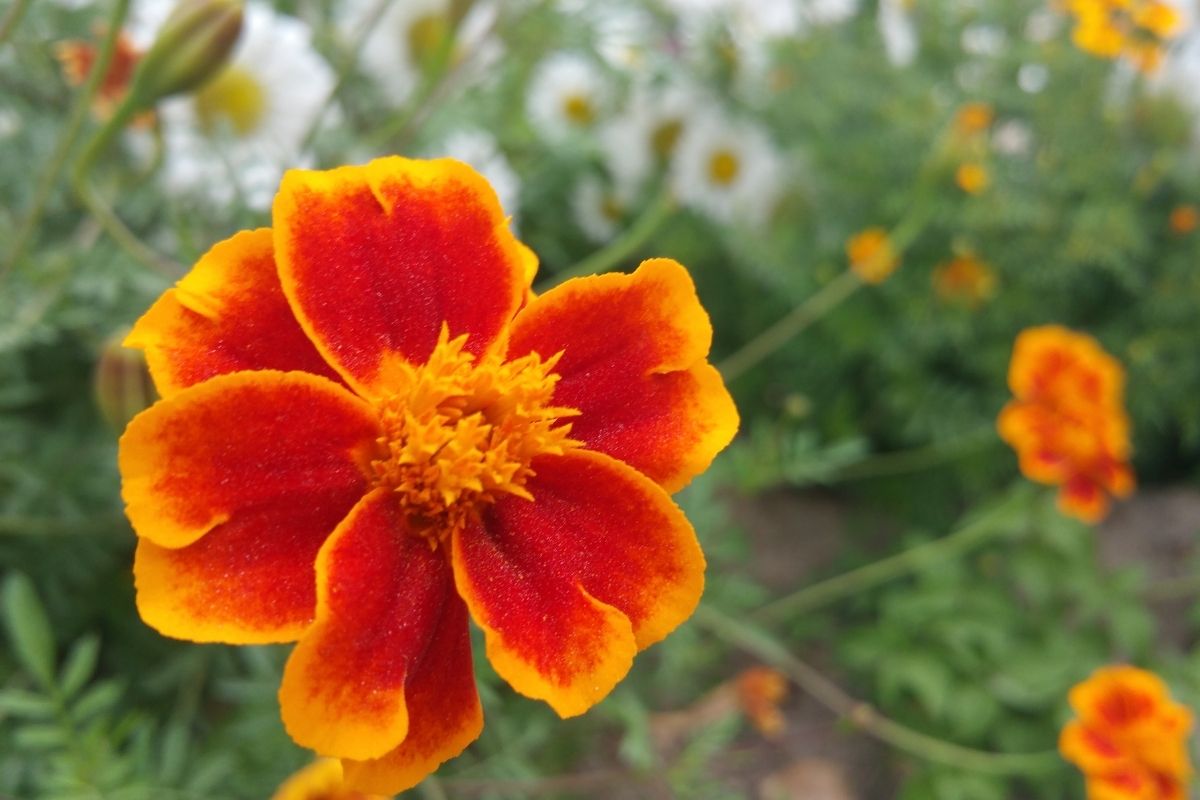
<point>664,137</point>
<point>234,97</point>
<point>461,431</point>
<point>578,109</point>
<point>723,167</point>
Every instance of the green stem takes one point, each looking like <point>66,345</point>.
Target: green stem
<point>66,141</point>
<point>795,321</point>
<point>996,521</point>
<point>765,648</point>
<point>87,194</point>
<point>629,242</point>
<point>13,18</point>
<point>917,458</point>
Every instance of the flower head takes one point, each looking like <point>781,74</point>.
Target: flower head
<point>964,279</point>
<point>76,58</point>
<point>1128,737</point>
<point>1134,29</point>
<point>973,118</point>
<point>568,95</point>
<point>371,431</point>
<point>760,691</point>
<point>1067,421</point>
<point>972,177</point>
<point>872,256</point>
<point>1184,219</point>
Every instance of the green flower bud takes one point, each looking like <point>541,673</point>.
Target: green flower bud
<point>191,46</point>
<point>121,383</point>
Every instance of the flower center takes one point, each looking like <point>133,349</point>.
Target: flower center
<point>234,97</point>
<point>461,431</point>
<point>723,167</point>
<point>578,109</point>
<point>664,136</point>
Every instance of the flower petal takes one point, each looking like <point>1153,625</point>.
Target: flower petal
<point>227,314</point>
<point>569,586</point>
<point>256,443</point>
<point>375,259</point>
<point>634,349</point>
<point>366,674</point>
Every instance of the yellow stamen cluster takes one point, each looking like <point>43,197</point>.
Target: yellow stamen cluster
<point>459,432</point>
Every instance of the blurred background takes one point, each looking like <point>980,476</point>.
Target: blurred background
<point>874,197</point>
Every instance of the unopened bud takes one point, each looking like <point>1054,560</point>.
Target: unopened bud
<point>122,383</point>
<point>192,45</point>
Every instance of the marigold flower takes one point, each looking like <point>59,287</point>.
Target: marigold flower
<point>1134,29</point>
<point>972,177</point>
<point>964,279</point>
<point>872,256</point>
<point>973,118</point>
<point>760,690</point>
<point>1067,421</point>
<point>1129,737</point>
<point>76,58</point>
<point>1184,219</point>
<point>320,780</point>
<point>371,430</point>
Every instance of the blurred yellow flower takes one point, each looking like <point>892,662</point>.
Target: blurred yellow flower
<point>760,690</point>
<point>872,256</point>
<point>1134,29</point>
<point>1184,219</point>
<point>964,279</point>
<point>972,177</point>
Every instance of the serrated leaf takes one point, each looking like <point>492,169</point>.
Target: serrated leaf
<point>29,628</point>
<point>29,705</point>
<point>79,666</point>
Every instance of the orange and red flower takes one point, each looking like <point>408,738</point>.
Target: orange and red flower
<point>1129,737</point>
<point>371,429</point>
<point>1068,422</point>
<point>872,256</point>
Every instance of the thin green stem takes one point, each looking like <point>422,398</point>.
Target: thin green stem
<point>785,329</point>
<point>66,141</point>
<point>768,650</point>
<point>917,458</point>
<point>629,242</point>
<point>87,194</point>
<point>12,18</point>
<point>992,523</point>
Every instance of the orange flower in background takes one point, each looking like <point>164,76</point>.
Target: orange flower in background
<point>964,279</point>
<point>320,780</point>
<point>1134,29</point>
<point>76,58</point>
<point>1067,421</point>
<point>972,177</point>
<point>1129,738</point>
<point>371,430</point>
<point>760,690</point>
<point>973,118</point>
<point>1184,219</point>
<point>871,255</point>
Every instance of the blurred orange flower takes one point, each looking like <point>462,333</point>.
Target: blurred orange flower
<point>964,279</point>
<point>1184,219</point>
<point>1129,737</point>
<point>872,256</point>
<point>973,118</point>
<point>1135,29</point>
<point>760,690</point>
<point>972,177</point>
<point>76,58</point>
<point>1067,421</point>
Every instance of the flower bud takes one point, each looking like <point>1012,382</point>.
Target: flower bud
<point>121,384</point>
<point>192,45</point>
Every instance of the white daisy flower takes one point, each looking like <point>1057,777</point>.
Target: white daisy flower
<point>235,136</point>
<point>600,208</point>
<point>567,95</point>
<point>727,169</point>
<point>480,150</point>
<point>404,40</point>
<point>898,32</point>
<point>644,134</point>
